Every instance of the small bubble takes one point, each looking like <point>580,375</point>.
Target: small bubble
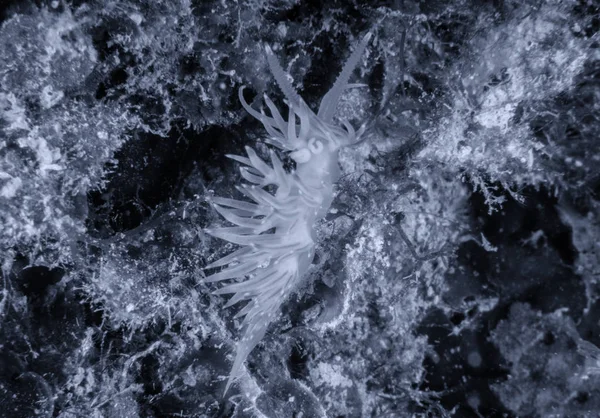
<point>474,359</point>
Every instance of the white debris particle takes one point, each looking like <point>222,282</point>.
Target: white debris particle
<point>330,374</point>
<point>49,97</point>
<point>9,190</point>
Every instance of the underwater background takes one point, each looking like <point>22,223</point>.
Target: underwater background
<point>456,274</point>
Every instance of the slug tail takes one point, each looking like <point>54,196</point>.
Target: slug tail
<point>252,336</point>
<point>266,292</point>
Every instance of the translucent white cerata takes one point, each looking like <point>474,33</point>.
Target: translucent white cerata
<point>276,232</point>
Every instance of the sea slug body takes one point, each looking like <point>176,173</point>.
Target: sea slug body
<point>276,232</point>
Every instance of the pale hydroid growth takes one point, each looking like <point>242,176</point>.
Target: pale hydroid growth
<point>276,231</point>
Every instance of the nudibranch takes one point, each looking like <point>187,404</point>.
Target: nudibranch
<point>276,231</point>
